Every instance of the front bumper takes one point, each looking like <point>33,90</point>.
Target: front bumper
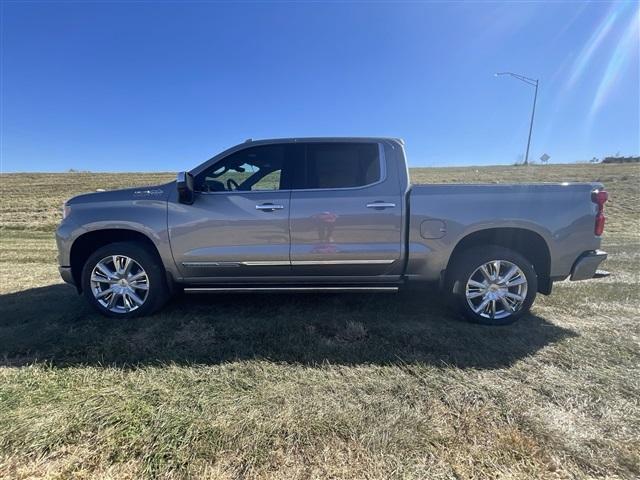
<point>586,266</point>
<point>67,276</point>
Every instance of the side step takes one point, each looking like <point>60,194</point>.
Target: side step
<point>285,289</point>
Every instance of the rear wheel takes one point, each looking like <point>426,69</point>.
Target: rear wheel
<point>492,285</point>
<point>124,280</point>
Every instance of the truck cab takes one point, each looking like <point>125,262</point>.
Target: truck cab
<point>312,211</point>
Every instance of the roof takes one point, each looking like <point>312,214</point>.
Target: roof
<point>323,139</point>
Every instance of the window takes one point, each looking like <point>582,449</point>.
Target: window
<point>252,169</point>
<point>341,165</point>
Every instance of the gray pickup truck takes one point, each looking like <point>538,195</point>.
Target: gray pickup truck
<point>329,214</point>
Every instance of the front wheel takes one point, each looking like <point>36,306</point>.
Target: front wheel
<point>124,280</point>
<point>492,285</point>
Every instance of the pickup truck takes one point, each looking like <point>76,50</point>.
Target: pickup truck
<point>329,214</point>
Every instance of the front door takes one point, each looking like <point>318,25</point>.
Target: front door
<point>238,225</point>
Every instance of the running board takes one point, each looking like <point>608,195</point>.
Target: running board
<point>287,289</point>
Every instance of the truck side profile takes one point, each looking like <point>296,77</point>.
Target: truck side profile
<point>329,214</point>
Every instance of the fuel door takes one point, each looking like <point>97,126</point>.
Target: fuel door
<point>432,229</point>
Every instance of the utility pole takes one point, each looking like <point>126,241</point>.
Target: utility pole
<point>533,83</point>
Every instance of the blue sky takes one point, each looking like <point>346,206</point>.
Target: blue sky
<point>140,86</point>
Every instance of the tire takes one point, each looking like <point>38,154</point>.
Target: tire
<point>509,295</point>
<point>138,286</point>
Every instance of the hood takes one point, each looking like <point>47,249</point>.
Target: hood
<point>153,192</point>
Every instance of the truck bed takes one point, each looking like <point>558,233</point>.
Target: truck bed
<point>441,214</point>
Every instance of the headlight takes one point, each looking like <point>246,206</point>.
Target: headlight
<point>66,210</point>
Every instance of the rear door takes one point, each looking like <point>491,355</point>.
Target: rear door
<point>346,211</point>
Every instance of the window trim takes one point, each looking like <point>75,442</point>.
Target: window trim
<point>382,161</point>
<point>245,191</point>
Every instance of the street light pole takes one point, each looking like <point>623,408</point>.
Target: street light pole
<point>533,83</point>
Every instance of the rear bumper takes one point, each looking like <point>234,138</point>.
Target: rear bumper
<point>67,276</point>
<point>587,264</point>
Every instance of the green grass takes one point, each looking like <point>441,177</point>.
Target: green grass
<point>316,386</point>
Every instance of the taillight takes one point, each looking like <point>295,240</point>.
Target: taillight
<point>599,197</point>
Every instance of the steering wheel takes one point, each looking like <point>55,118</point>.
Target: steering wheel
<point>232,183</point>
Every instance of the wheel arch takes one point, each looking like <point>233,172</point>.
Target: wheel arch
<point>527,243</point>
<point>89,242</point>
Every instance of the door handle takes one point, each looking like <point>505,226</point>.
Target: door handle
<point>381,205</point>
<point>269,207</point>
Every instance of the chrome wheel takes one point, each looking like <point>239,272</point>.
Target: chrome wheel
<point>119,284</point>
<point>496,289</point>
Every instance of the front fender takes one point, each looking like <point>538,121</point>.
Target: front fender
<point>145,216</point>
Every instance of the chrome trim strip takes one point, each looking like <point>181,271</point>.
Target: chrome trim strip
<point>210,264</point>
<point>267,263</point>
<point>341,262</point>
<point>288,289</point>
<point>273,263</point>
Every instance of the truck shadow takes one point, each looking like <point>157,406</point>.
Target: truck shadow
<point>52,324</point>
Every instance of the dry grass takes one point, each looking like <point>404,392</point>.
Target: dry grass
<point>316,386</point>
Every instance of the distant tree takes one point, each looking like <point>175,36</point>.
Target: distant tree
<point>619,159</point>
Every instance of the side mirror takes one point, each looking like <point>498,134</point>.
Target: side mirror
<point>184,184</point>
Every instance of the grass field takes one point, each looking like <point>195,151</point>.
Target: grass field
<point>316,386</point>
